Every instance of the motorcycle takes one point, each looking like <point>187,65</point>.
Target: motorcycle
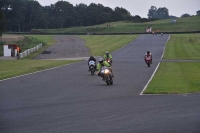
<point>107,75</point>
<point>92,65</point>
<point>109,61</point>
<point>148,60</point>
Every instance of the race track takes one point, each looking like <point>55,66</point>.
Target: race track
<point>69,100</point>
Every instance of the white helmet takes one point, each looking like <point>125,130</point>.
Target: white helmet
<point>107,52</point>
<point>101,60</point>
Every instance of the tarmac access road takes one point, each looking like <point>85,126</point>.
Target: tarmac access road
<point>69,100</point>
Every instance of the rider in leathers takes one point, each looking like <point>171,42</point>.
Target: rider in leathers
<point>101,64</point>
<point>92,59</point>
<point>148,54</point>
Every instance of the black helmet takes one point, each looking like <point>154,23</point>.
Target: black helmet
<point>148,52</point>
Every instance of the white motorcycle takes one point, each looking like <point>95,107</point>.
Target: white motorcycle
<point>92,65</point>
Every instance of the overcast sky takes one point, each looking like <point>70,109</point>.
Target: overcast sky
<point>141,7</point>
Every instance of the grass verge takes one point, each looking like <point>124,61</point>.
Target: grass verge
<point>183,47</point>
<point>19,67</point>
<point>183,25</point>
<point>11,68</point>
<point>175,78</point>
<point>46,40</point>
<point>98,45</point>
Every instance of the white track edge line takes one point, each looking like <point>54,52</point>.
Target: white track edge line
<point>150,79</point>
<point>165,47</point>
<point>155,70</point>
<point>37,72</point>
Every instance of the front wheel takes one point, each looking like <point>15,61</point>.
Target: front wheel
<point>108,80</point>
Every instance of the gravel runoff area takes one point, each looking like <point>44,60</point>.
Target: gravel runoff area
<point>11,38</point>
<point>65,48</point>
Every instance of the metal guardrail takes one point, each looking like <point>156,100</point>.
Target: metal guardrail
<point>29,51</point>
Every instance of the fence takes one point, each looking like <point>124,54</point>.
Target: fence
<point>28,51</point>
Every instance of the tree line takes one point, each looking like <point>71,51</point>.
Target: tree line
<point>24,15</point>
<point>163,13</point>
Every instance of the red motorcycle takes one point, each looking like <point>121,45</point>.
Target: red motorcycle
<point>148,60</point>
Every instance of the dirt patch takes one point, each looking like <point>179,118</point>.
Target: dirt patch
<point>66,47</point>
<point>11,38</point>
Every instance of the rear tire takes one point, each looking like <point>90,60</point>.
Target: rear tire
<point>92,72</point>
<point>107,82</point>
<point>111,79</point>
<point>148,64</point>
<point>111,82</point>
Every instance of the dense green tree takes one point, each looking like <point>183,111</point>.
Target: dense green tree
<point>2,22</point>
<point>18,13</point>
<point>171,16</point>
<point>198,13</point>
<point>162,13</point>
<point>185,15</point>
<point>152,12</point>
<point>33,14</point>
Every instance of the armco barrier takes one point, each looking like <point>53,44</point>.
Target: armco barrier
<point>29,51</point>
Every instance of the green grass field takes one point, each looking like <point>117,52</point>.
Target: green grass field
<point>46,40</point>
<point>184,47</point>
<point>19,67</point>
<point>10,68</point>
<point>98,45</point>
<point>182,25</point>
<point>178,77</point>
<point>175,78</point>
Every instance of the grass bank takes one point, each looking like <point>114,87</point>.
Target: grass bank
<point>184,47</point>
<point>182,25</point>
<point>11,68</point>
<point>175,78</point>
<point>178,77</point>
<point>98,45</point>
<point>46,40</point>
<point>19,67</point>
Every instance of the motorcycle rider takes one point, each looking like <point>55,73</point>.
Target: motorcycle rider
<point>101,64</point>
<point>108,55</point>
<point>147,55</point>
<point>92,59</point>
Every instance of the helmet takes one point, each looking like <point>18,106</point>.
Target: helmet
<point>107,52</point>
<point>91,56</point>
<point>101,60</point>
<point>148,52</point>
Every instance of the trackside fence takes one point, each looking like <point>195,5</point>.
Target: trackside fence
<point>28,51</point>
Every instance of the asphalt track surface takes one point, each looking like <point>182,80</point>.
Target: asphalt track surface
<point>69,100</point>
